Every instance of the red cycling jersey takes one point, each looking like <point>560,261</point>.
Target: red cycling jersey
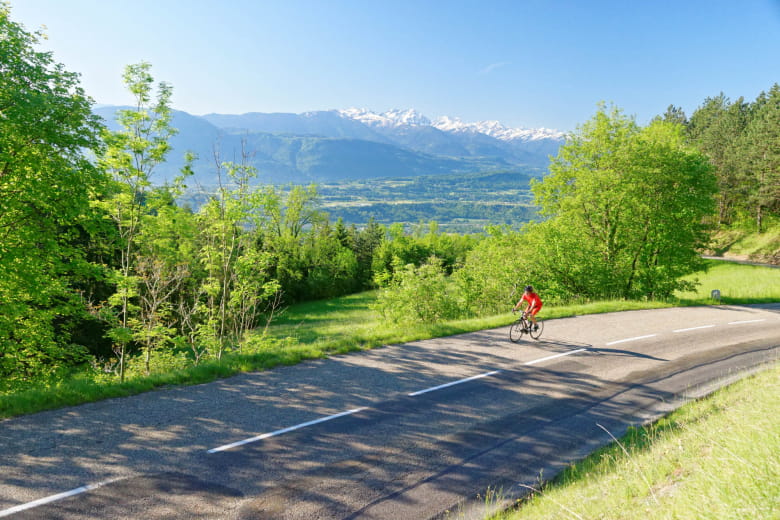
<point>534,302</point>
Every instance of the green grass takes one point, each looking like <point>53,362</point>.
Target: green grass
<point>347,323</point>
<point>317,329</point>
<point>737,283</point>
<point>716,458</point>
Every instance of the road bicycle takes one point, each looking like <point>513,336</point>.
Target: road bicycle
<point>525,326</point>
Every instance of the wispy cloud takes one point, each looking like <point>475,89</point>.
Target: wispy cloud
<point>493,66</point>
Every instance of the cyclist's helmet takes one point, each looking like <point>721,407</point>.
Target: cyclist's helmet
<point>529,288</point>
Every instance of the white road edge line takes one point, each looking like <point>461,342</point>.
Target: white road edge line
<point>486,374</point>
<point>472,378</point>
<point>349,412</point>
<point>285,430</point>
<point>548,358</point>
<point>54,498</point>
<point>746,321</point>
<point>631,339</point>
<point>694,328</point>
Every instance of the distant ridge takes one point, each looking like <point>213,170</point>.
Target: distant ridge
<point>333,145</point>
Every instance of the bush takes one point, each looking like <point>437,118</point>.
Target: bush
<point>419,294</point>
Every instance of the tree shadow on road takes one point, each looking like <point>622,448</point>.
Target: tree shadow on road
<point>409,456</point>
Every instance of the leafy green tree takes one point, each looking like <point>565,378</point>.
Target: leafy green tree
<point>399,249</point>
<point>629,204</point>
<point>238,274</point>
<point>343,235</point>
<point>131,156</point>
<point>492,272</point>
<point>287,217</point>
<point>331,266</point>
<point>425,241</point>
<point>46,184</point>
<point>166,258</point>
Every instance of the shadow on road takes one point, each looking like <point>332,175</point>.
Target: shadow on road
<point>402,455</point>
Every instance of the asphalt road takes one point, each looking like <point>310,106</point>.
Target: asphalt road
<point>414,431</point>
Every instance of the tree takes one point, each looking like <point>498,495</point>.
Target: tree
<point>419,294</point>
<point>286,218</point>
<point>131,156</point>
<point>493,270</point>
<point>716,129</point>
<point>331,266</point>
<point>238,280</point>
<point>165,260</point>
<point>46,184</point>
<point>675,114</point>
<point>762,154</point>
<point>626,208</point>
<point>367,241</point>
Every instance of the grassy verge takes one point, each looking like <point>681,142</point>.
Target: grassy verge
<point>716,458</point>
<point>317,329</point>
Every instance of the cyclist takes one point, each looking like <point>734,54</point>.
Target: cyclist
<point>534,304</point>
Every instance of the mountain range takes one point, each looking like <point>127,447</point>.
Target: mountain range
<point>336,145</point>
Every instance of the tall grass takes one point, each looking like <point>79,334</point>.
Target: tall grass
<point>717,458</point>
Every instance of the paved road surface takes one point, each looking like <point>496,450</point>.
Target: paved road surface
<point>403,432</point>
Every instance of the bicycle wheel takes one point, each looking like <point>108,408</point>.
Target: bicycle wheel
<point>516,330</point>
<point>536,333</point>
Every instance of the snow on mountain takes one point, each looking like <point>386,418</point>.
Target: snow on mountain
<point>411,117</point>
<point>389,119</point>
<point>496,129</point>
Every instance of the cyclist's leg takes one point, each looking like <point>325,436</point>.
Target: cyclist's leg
<point>534,312</point>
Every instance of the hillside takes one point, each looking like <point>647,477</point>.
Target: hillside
<point>329,146</point>
<point>742,245</point>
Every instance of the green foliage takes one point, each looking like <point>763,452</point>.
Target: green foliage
<point>237,275</point>
<point>312,329</point>
<point>419,294</point>
<point>741,140</point>
<point>401,249</point>
<point>46,183</point>
<point>762,151</point>
<point>493,274</point>
<point>130,156</point>
<point>625,207</point>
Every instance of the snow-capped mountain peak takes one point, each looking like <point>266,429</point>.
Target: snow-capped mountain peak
<point>410,117</point>
<point>496,129</point>
<point>391,118</point>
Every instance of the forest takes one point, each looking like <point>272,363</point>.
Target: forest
<point>104,273</point>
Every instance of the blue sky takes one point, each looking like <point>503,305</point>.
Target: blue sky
<point>525,62</point>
